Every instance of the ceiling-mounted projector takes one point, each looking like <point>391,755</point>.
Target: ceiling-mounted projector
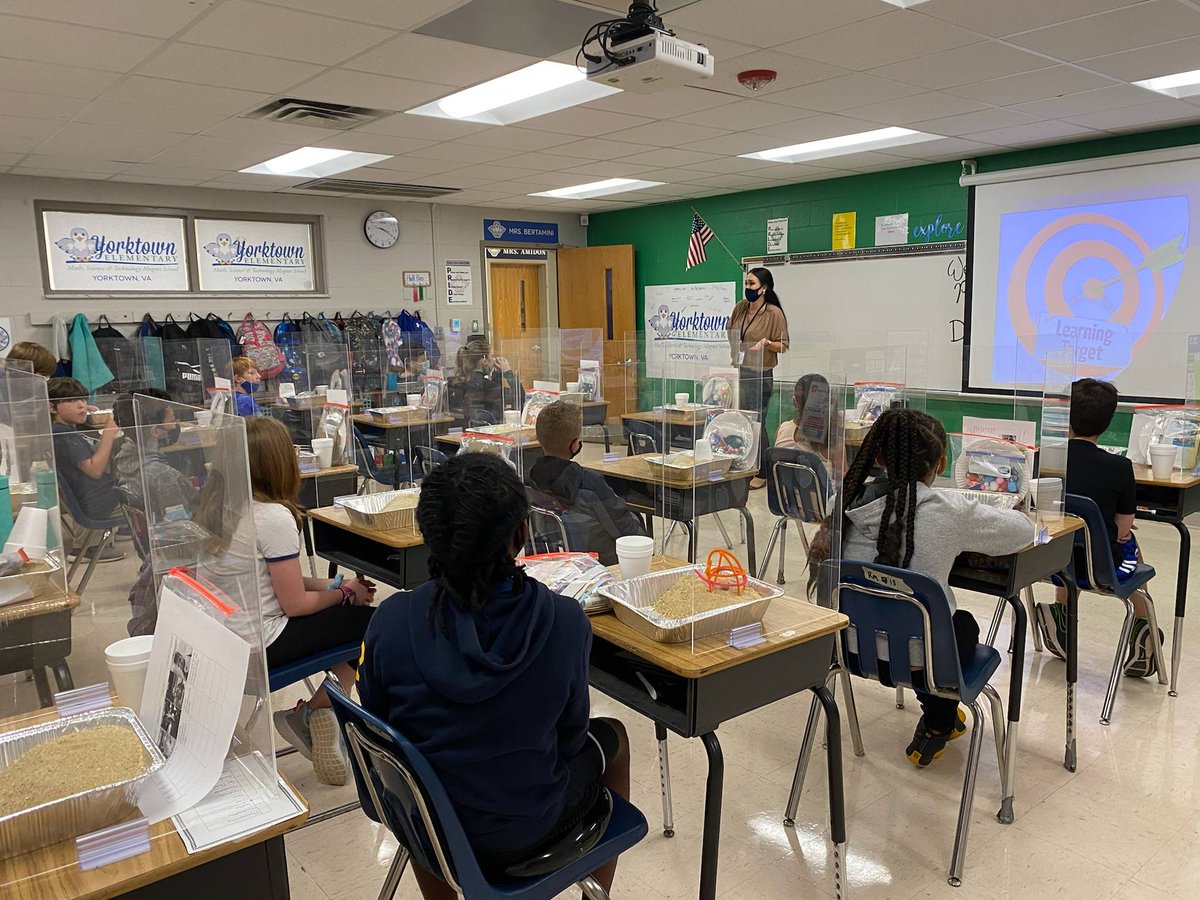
<point>639,53</point>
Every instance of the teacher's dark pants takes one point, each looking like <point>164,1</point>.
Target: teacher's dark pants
<point>756,387</point>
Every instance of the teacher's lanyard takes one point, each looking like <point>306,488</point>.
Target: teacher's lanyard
<point>746,325</point>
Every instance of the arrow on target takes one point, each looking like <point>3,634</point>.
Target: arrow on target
<point>1156,260</point>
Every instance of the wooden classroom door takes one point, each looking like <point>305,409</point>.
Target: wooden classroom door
<point>595,291</point>
<point>516,311</point>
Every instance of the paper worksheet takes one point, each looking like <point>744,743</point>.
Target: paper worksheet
<point>190,704</point>
<point>239,805</point>
<point>1008,429</point>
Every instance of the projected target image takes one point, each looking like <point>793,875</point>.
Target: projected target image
<point>1097,278</point>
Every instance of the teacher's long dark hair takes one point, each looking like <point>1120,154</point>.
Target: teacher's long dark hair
<point>472,514</point>
<point>767,282</point>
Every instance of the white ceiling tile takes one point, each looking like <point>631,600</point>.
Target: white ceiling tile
<point>39,106</point>
<point>366,89</point>
<point>947,148</point>
<point>1013,16</point>
<point>388,13</point>
<point>22,127</point>
<point>1033,134</point>
<point>892,37</point>
<point>856,161</point>
<point>239,128</point>
<point>842,92</point>
<point>967,123</point>
<point>1152,22</point>
<point>59,173</point>
<point>157,179</point>
<point>512,137</point>
<point>616,168</point>
<point>455,152</point>
<point>740,180</point>
<point>793,72</point>
<point>412,167</point>
<point>668,134</point>
<point>815,128</point>
<point>736,114</point>
<point>164,118</point>
<point>473,176</point>
<point>721,47</point>
<point>18,145</point>
<point>1159,113</point>
<point>81,162</point>
<point>108,142</point>
<point>422,127</point>
<point>974,62</point>
<point>157,18</point>
<point>368,143</point>
<point>1040,84</point>
<point>1149,62</point>
<point>155,92</point>
<point>397,176</point>
<point>599,148</point>
<point>1112,97</point>
<point>256,28</point>
<point>72,45</point>
<point>746,20</point>
<point>221,153</point>
<point>917,108</point>
<point>226,68</point>
<point>538,162</point>
<point>584,122</point>
<point>669,157</point>
<point>6,158</point>
<point>671,103</point>
<point>183,172</point>
<point>732,164</point>
<point>238,181</point>
<point>424,58</point>
<point>60,81</point>
<point>739,142</point>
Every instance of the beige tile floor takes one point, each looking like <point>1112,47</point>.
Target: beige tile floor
<point>1126,825</point>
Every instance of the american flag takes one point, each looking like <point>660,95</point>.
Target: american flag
<point>701,235</point>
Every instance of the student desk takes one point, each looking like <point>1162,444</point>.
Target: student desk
<point>254,866</point>
<point>318,489</point>
<point>684,504</point>
<point>694,691</point>
<point>1171,501</point>
<point>399,558</point>
<point>1006,577</point>
<point>399,436</point>
<point>35,634</point>
<point>528,451</point>
<point>595,412</point>
<point>683,427</point>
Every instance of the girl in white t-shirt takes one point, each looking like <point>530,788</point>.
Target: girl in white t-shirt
<point>300,615</point>
<point>808,428</point>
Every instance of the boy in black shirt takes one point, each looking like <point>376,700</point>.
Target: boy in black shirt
<point>1108,480</point>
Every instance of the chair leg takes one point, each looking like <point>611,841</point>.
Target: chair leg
<point>664,780</point>
<point>959,856</point>
<point>592,889</point>
<point>899,696</point>
<point>782,549</point>
<point>771,541</point>
<point>806,749</point>
<point>851,707</point>
<point>1002,757</point>
<point>392,882</point>
<point>81,552</point>
<point>724,533</point>
<point>997,617</point>
<point>1156,641</point>
<point>1031,612</point>
<point>105,543</point>
<point>1114,678</point>
<point>667,535</point>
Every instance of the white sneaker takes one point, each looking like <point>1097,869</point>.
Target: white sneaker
<point>329,756</point>
<point>293,725</point>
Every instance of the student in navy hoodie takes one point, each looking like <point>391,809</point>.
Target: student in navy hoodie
<point>485,671</point>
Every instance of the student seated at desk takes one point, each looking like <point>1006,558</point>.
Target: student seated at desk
<point>1107,479</point>
<point>486,672</point>
<point>170,489</point>
<point>82,456</point>
<point>43,360</point>
<point>560,432</point>
<point>483,386</point>
<point>808,428</point>
<point>416,366</point>
<point>301,616</point>
<point>246,380</point>
<point>898,519</point>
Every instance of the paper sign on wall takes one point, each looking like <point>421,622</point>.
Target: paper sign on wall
<point>688,324</point>
<point>777,235</point>
<point>109,253</point>
<point>459,288</point>
<point>239,255</point>
<point>844,227</point>
<point>891,230</point>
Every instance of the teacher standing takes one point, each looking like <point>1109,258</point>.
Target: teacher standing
<point>758,333</point>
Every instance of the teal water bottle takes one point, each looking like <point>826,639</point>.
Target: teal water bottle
<point>47,494</point>
<point>6,514</point>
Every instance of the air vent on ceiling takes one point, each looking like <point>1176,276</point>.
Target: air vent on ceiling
<point>374,188</point>
<point>334,116</point>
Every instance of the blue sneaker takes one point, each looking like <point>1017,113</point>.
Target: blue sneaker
<point>1127,564</point>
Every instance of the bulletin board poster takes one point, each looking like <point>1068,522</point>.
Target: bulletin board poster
<point>236,255</point>
<point>845,226</point>
<point>687,324</point>
<point>101,252</point>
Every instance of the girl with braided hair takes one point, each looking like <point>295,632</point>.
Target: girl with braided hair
<point>485,670</point>
<point>898,519</point>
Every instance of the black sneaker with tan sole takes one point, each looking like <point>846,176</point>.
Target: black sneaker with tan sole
<point>928,745</point>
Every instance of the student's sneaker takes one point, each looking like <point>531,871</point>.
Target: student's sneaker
<point>1139,658</point>
<point>1127,565</point>
<point>110,554</point>
<point>293,725</point>
<point>928,745</point>
<point>329,757</point>
<point>1052,623</point>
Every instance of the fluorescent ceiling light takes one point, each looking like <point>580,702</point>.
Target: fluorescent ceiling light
<point>843,145</point>
<point>315,162</point>
<point>599,188</point>
<point>1182,84</point>
<point>535,90</point>
<point>904,4</point>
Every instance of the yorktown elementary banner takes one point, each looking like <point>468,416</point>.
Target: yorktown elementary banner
<point>241,255</point>
<point>101,252</point>
<point>687,324</point>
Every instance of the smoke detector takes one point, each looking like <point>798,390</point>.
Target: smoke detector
<point>755,79</point>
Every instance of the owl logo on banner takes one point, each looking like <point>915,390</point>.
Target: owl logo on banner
<point>80,246</point>
<point>1087,285</point>
<point>222,250</point>
<point>661,323</point>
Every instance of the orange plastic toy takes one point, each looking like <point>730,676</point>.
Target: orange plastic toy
<point>723,569</point>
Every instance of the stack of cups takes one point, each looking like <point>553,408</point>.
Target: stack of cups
<point>323,447</point>
<point>512,417</point>
<point>413,399</point>
<point>1162,460</point>
<point>127,662</point>
<point>634,553</point>
<point>682,399</point>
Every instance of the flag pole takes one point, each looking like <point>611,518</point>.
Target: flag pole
<point>718,238</point>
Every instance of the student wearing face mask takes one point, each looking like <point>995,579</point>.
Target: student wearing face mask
<point>246,380</point>
<point>484,385</point>
<point>140,461</point>
<point>758,334</point>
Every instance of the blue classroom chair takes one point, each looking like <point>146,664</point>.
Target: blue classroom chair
<point>796,492</point>
<point>398,787</point>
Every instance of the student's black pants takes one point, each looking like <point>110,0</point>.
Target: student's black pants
<point>756,387</point>
<point>940,713</point>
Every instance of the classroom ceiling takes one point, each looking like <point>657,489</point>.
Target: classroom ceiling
<point>158,91</point>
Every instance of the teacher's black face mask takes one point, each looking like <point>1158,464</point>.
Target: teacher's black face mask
<point>752,293</point>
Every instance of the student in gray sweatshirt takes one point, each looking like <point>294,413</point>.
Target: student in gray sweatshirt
<point>898,519</point>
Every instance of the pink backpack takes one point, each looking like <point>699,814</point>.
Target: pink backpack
<point>258,345</point>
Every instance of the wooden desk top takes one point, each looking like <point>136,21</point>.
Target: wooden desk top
<point>367,419</point>
<point>345,469</point>
<point>1057,526</point>
<point>38,606</point>
<point>600,402</point>
<point>54,872</point>
<point>788,622</point>
<point>397,539</point>
<point>671,417</point>
<point>634,468</point>
<point>1179,480</point>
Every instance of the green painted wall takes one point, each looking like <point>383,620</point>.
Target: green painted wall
<point>931,195</point>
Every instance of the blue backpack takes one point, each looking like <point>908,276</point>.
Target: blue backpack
<point>415,331</point>
<point>287,339</point>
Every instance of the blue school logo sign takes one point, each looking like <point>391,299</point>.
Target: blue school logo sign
<point>520,232</point>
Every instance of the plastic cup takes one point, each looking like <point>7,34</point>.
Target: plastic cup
<point>702,451</point>
<point>323,447</point>
<point>1162,460</point>
<point>1047,493</point>
<point>634,553</point>
<point>682,399</point>
<point>127,661</point>
<point>413,399</point>
<point>322,389</point>
<point>572,387</point>
<point>512,417</point>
